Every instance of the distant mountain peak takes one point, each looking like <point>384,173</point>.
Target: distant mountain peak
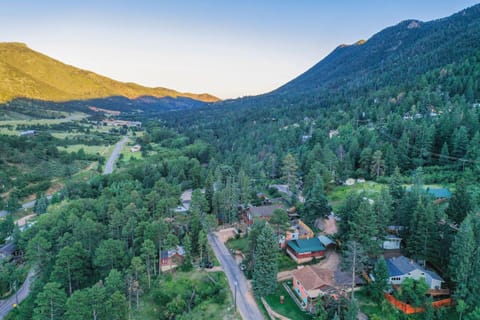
<point>414,24</point>
<point>399,52</point>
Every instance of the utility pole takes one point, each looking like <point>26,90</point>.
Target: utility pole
<point>236,283</point>
<point>16,293</point>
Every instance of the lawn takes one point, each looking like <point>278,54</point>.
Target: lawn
<point>288,308</point>
<point>238,244</point>
<point>69,117</point>
<point>285,262</point>
<point>104,151</point>
<point>338,195</point>
<point>128,155</point>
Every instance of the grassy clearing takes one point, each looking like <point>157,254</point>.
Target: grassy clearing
<point>104,151</point>
<point>68,117</point>
<point>288,308</point>
<point>338,195</point>
<point>238,244</point>
<point>127,154</point>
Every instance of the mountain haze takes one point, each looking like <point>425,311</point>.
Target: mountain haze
<point>25,73</point>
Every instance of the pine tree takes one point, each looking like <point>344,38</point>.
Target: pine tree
<point>378,164</point>
<point>381,276</point>
<point>50,303</point>
<point>460,204</point>
<point>264,281</point>
<point>444,155</point>
<point>41,204</point>
<point>290,172</point>
<point>464,261</point>
<point>423,228</point>
<point>383,210</point>
<point>352,312</point>
<point>460,142</point>
<point>354,261</point>
<point>395,187</point>
<point>364,228</point>
<point>316,203</point>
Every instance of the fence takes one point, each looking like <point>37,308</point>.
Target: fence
<point>408,309</point>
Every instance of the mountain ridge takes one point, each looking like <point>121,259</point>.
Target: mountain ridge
<point>26,73</point>
<point>399,51</point>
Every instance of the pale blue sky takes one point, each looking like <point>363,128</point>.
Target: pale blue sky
<point>226,48</point>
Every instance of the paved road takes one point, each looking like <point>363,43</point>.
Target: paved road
<point>7,305</point>
<point>245,302</point>
<point>26,205</point>
<point>115,154</point>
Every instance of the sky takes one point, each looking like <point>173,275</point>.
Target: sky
<point>222,47</point>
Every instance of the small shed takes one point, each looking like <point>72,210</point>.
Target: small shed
<point>327,242</point>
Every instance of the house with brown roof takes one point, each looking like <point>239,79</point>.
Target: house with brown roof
<point>261,212</point>
<point>311,282</point>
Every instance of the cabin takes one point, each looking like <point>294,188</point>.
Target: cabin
<point>401,268</point>
<point>305,250</point>
<point>170,259</point>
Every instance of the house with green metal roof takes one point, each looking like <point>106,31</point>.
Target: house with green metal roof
<point>304,250</point>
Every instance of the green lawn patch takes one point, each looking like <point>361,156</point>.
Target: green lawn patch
<point>288,308</point>
<point>285,262</point>
<point>338,195</point>
<point>238,244</point>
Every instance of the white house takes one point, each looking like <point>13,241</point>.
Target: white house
<point>401,268</point>
<point>391,242</point>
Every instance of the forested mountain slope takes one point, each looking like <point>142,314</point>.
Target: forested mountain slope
<point>393,55</point>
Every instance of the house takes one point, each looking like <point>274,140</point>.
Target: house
<point>121,123</point>
<point>391,242</point>
<point>283,188</point>
<point>439,193</point>
<point>298,230</point>
<point>262,212</point>
<point>28,133</point>
<point>332,133</point>
<point>304,250</point>
<point>136,148</point>
<point>170,259</point>
<point>401,268</point>
<point>311,282</point>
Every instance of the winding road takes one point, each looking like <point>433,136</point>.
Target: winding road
<point>7,305</point>
<point>108,169</point>
<point>246,304</point>
<point>114,156</point>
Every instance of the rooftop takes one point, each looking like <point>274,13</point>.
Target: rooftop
<point>326,241</point>
<point>314,277</point>
<point>264,211</point>
<point>306,245</point>
<point>402,265</point>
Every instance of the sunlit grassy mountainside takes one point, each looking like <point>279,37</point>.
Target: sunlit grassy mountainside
<point>25,73</point>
